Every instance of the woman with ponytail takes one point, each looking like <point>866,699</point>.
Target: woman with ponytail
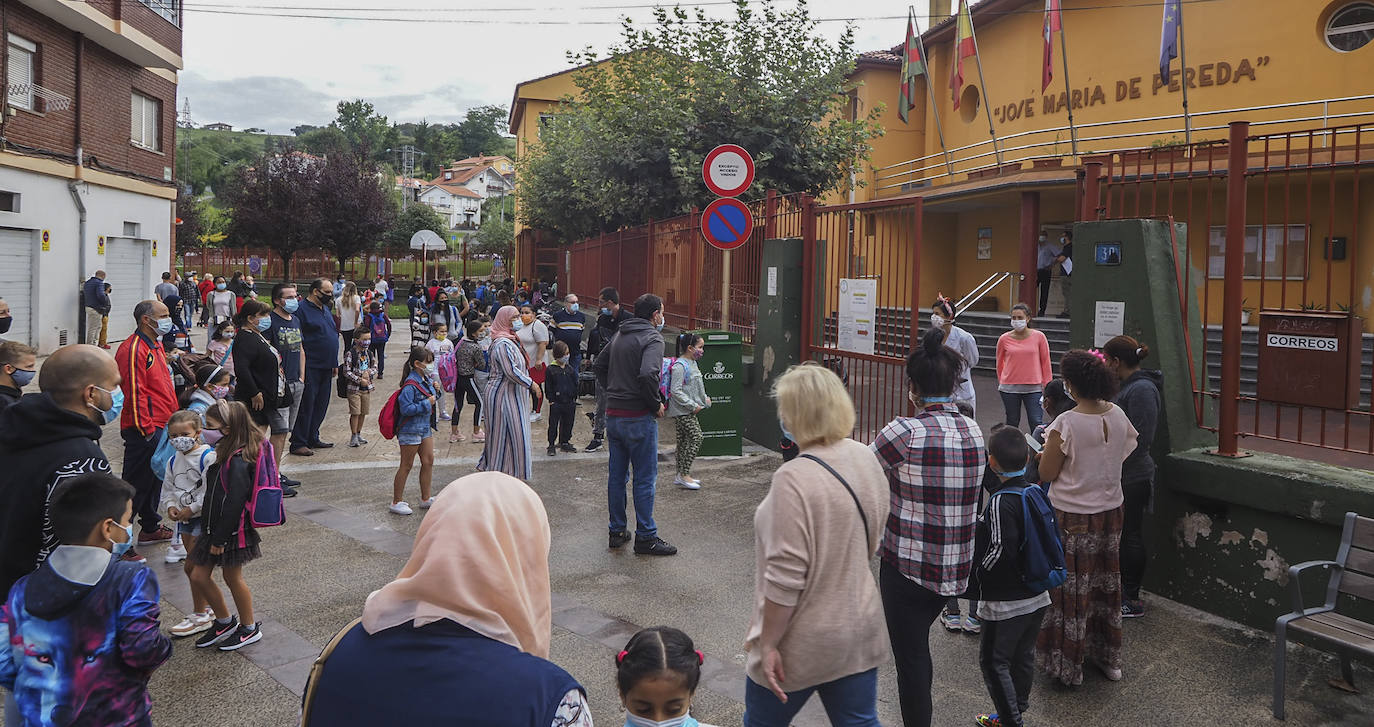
<point>1140,399</point>
<point>960,342</point>
<point>686,398</point>
<point>1084,449</point>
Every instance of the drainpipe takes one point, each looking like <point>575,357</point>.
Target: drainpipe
<point>76,199</point>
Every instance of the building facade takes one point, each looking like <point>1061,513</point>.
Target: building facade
<point>88,128</point>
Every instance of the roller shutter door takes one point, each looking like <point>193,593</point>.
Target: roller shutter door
<point>126,266</point>
<point>17,276</point>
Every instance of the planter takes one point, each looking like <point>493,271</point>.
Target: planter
<point>1047,163</point>
<point>1008,169</point>
<point>1245,317</point>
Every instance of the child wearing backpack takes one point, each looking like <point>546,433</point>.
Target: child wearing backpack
<point>1008,553</point>
<point>360,372</point>
<point>376,321</point>
<point>439,345</point>
<point>183,497</point>
<point>686,395</point>
<point>212,384</point>
<point>469,360</point>
<point>230,541</point>
<point>560,388</point>
<point>414,428</point>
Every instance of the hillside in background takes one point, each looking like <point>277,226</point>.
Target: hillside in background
<point>207,158</point>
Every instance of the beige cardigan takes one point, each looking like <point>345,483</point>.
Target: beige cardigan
<point>810,554</point>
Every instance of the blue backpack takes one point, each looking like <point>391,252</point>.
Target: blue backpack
<point>1042,551</point>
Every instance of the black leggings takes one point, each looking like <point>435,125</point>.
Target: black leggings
<point>465,384</point>
<point>1133,552</point>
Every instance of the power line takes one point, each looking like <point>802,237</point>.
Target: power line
<point>198,7</point>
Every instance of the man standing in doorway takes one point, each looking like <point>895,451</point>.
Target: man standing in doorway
<point>147,386</point>
<point>166,288</point>
<point>320,339</point>
<point>612,315</point>
<point>285,336</point>
<point>97,305</point>
<point>628,370</point>
<point>1065,261</point>
<point>568,324</point>
<point>1045,253</point>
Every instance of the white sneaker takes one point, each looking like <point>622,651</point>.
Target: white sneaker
<point>445,417</point>
<point>425,504</point>
<point>536,417</point>
<point>401,508</point>
<point>687,484</point>
<point>353,441</point>
<point>361,440</point>
<point>176,553</point>
<point>193,624</point>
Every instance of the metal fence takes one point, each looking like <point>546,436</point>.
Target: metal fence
<point>265,264</point>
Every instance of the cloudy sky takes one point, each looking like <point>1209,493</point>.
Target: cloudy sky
<point>248,65</point>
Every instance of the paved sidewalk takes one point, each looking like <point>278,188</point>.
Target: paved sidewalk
<point>1182,667</point>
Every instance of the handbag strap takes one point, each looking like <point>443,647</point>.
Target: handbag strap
<point>867,537</point>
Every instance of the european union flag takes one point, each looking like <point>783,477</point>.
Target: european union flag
<point>1168,40</point>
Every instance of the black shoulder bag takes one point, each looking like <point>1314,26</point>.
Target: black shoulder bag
<point>867,538</point>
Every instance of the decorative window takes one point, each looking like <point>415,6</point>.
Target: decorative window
<point>1283,256</point>
<point>21,66</point>
<point>168,9</point>
<point>145,121</point>
<point>1351,28</point>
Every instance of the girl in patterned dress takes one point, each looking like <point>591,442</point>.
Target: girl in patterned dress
<point>507,404</point>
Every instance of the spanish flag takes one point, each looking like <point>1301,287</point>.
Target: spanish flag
<point>913,66</point>
<point>963,48</point>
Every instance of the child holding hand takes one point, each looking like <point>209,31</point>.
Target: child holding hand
<point>183,497</point>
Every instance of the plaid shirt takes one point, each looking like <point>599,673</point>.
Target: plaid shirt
<point>934,464</point>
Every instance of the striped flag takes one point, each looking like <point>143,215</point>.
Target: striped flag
<point>1052,26</point>
<point>963,48</point>
<point>913,66</point>
<point>1168,40</point>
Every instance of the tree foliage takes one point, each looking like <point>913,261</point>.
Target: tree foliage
<point>354,207</point>
<point>630,147</point>
<point>496,235</point>
<point>415,217</point>
<point>190,220</point>
<point>274,203</point>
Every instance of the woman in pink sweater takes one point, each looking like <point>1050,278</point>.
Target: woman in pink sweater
<point>1023,368</point>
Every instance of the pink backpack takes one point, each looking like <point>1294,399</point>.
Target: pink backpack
<point>265,507</point>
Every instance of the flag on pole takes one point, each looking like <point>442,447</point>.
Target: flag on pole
<point>1168,41</point>
<point>1052,26</point>
<point>913,66</point>
<point>964,47</point>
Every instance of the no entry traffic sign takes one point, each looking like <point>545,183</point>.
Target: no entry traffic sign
<point>727,223</point>
<point>728,170</point>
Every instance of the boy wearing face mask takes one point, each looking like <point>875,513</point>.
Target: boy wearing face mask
<point>17,369</point>
<point>84,594</point>
<point>183,497</point>
<point>560,387</point>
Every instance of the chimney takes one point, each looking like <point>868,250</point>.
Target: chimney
<point>939,10</point>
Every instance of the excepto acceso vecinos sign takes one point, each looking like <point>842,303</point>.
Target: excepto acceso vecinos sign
<point>1306,343</point>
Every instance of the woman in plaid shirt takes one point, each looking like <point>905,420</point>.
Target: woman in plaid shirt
<point>934,463</point>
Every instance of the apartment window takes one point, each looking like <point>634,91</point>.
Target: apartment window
<point>168,9</point>
<point>145,121</point>
<point>1351,28</point>
<point>1278,259</point>
<point>21,66</point>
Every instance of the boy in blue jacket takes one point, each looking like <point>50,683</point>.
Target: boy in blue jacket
<point>79,637</point>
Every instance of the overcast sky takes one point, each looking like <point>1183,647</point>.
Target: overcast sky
<point>433,62</point>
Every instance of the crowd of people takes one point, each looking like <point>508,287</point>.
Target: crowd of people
<point>947,507</point>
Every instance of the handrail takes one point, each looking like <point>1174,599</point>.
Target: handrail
<point>1012,279</point>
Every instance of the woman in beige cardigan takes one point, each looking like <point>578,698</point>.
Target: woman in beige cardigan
<point>818,622</point>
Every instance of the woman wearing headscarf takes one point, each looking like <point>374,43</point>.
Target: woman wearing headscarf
<point>507,406</point>
<point>471,612</point>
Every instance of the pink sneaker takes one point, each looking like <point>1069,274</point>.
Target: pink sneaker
<point>479,436</point>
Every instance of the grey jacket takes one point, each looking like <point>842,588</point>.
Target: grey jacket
<point>628,368</point>
<point>1140,399</point>
<point>686,388</point>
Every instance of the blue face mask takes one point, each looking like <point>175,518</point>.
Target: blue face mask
<point>785,433</point>
<point>605,311</point>
<point>116,405</point>
<point>291,305</point>
<point>517,324</point>
<point>164,326</point>
<point>573,308</point>
<point>221,286</point>
<point>22,377</point>
<point>122,548</point>
<point>264,323</point>
<point>1018,473</point>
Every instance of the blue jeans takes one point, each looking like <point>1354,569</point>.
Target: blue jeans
<point>633,443</point>
<point>1013,403</point>
<point>850,701</point>
<point>319,387</point>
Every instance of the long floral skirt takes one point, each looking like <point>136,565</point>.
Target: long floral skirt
<point>1083,623</point>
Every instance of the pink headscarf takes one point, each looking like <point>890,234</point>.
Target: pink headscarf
<point>481,559</point>
<point>501,327</point>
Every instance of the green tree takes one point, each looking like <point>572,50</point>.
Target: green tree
<point>630,147</point>
<point>353,205</point>
<point>415,217</point>
<point>274,203</point>
<point>496,236</point>
<point>482,132</point>
<point>364,128</point>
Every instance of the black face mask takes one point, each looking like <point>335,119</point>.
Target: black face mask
<point>5,324</point>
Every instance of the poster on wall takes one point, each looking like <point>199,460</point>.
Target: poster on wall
<point>858,305</point>
<point>984,243</point>
<point>1109,321</point>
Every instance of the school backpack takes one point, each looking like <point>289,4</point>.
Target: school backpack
<point>665,378</point>
<point>376,324</point>
<point>265,508</point>
<point>1042,552</point>
<point>448,370</point>
<point>390,417</point>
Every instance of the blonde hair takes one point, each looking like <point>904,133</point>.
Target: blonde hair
<point>350,295</point>
<point>814,404</point>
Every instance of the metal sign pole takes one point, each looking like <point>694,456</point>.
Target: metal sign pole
<point>725,290</point>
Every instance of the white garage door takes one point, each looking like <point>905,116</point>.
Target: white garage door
<point>16,282</point>
<point>126,270</point>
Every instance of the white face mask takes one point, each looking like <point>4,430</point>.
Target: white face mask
<point>937,320</point>
<point>634,720</point>
<point>1018,324</point>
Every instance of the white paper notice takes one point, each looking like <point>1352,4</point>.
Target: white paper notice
<point>1109,322</point>
<point>772,281</point>
<point>858,303</point>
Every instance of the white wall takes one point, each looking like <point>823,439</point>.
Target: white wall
<point>46,204</point>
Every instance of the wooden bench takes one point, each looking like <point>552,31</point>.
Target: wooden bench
<point>1351,574</point>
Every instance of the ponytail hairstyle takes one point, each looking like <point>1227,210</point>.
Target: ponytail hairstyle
<point>418,354</point>
<point>933,368</point>
<point>1057,400</point>
<point>1087,373</point>
<point>686,341</point>
<point>654,651</point>
<point>1127,350</point>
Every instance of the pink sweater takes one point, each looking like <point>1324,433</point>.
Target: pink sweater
<point>1023,361</point>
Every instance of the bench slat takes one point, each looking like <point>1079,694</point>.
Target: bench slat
<point>1357,585</point>
<point>1345,623</point>
<point>1332,634</point>
<point>1364,533</point>
<point>1360,561</point>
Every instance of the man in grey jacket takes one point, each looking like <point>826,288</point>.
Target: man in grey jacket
<point>628,369</point>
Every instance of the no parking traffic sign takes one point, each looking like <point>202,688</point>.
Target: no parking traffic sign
<point>728,170</point>
<point>727,223</point>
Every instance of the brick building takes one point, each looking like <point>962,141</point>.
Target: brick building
<point>87,138</point>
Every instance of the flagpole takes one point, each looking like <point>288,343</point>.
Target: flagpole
<point>1183,81</point>
<point>1068,91</point>
<point>930,91</point>
<point>973,33</point>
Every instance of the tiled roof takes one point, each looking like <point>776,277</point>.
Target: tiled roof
<point>476,161</point>
<point>884,57</point>
<point>456,190</point>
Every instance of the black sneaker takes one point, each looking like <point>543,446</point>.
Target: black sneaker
<point>1132,609</point>
<point>218,632</point>
<point>242,637</point>
<point>619,539</point>
<point>568,448</point>
<point>285,481</point>
<point>654,546</point>
<point>288,491</point>
<point>595,445</point>
<point>553,451</point>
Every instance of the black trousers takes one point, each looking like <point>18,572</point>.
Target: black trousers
<point>1133,552</point>
<point>1042,280</point>
<point>138,471</point>
<point>910,610</point>
<point>561,423</point>
<point>1007,658</point>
